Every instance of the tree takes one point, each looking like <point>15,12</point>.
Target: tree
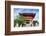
<point>20,20</point>
<point>34,23</point>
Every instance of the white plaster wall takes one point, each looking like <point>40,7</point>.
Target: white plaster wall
<point>2,18</point>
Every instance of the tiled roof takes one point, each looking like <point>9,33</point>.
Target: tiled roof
<point>28,14</point>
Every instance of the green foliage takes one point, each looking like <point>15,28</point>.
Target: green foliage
<point>34,22</point>
<point>20,20</point>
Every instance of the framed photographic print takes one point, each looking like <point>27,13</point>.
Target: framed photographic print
<point>24,17</point>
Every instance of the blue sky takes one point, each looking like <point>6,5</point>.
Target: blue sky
<point>27,10</point>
